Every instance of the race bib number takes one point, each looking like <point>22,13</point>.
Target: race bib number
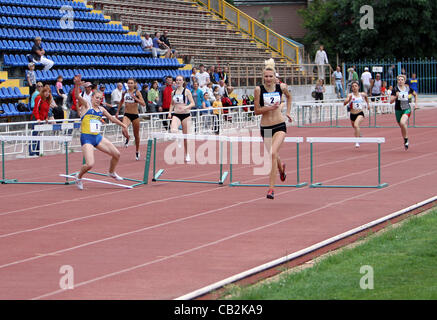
<point>357,105</point>
<point>271,98</point>
<point>178,98</point>
<point>95,126</point>
<point>403,96</point>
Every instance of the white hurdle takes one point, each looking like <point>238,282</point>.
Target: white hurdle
<point>313,140</point>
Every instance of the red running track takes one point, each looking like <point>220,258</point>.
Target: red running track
<point>164,240</point>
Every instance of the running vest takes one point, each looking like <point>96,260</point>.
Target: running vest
<point>91,122</point>
<point>179,98</point>
<point>128,98</point>
<point>270,98</point>
<point>404,98</point>
<point>357,103</point>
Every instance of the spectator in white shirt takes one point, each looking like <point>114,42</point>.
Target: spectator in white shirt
<point>147,42</point>
<point>222,87</point>
<point>365,80</point>
<point>116,96</point>
<point>88,93</point>
<point>202,77</point>
<point>321,59</point>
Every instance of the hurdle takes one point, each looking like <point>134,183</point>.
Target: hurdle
<point>145,179</point>
<point>171,136</point>
<point>313,140</point>
<point>296,140</point>
<point>62,139</point>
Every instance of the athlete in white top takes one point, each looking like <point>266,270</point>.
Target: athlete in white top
<point>357,102</point>
<point>180,107</point>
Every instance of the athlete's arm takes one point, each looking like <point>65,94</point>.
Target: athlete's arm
<point>120,104</point>
<point>289,100</point>
<point>112,118</point>
<point>139,98</point>
<point>367,101</point>
<point>348,99</point>
<point>190,99</point>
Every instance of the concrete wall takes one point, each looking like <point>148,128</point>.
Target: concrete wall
<point>285,19</point>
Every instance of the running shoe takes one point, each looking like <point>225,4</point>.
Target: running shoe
<point>115,176</point>
<point>126,143</point>
<point>282,173</point>
<point>357,145</point>
<point>406,144</point>
<point>187,158</point>
<point>79,183</point>
<point>270,194</point>
<point>137,156</point>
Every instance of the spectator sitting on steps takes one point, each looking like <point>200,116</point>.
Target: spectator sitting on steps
<point>157,44</point>
<point>38,55</point>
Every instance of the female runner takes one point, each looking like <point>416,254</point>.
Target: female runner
<point>90,137</point>
<point>131,98</point>
<point>268,103</point>
<point>181,103</point>
<point>357,101</point>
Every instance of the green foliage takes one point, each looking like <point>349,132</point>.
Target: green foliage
<point>402,29</point>
<point>264,16</point>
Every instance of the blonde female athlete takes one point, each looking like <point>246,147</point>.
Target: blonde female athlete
<point>357,101</point>
<point>181,103</point>
<point>401,96</point>
<point>90,137</point>
<point>268,103</point>
<point>131,98</point>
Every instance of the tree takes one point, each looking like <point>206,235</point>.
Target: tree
<point>402,28</point>
<point>264,16</point>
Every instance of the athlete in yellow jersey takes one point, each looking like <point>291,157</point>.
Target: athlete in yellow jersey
<point>90,137</point>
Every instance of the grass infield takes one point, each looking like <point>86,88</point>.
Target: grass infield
<point>403,260</point>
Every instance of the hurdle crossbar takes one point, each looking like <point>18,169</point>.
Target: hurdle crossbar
<point>61,139</point>
<point>313,140</point>
<point>296,140</point>
<point>171,136</point>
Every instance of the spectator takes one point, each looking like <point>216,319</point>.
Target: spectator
<point>375,87</point>
<point>38,89</point>
<point>31,78</point>
<point>38,55</point>
<point>156,50</point>
<point>320,89</point>
<point>88,93</point>
<point>321,59</point>
<point>211,73</point>
<point>166,99</point>
<point>219,74</point>
<point>414,84</point>
<point>147,43</point>
<point>193,76</point>
<point>144,93</point>
<point>42,110</point>
<point>202,77</point>
<point>197,94</point>
<point>217,110</point>
<point>215,91</point>
<point>60,92</point>
<point>226,75</point>
<point>209,89</point>
<point>153,97</point>
<point>104,104</point>
<point>164,39</point>
<point>365,80</point>
<point>206,103</point>
<point>116,96</point>
<point>221,87</point>
<point>352,76</point>
<point>338,78</point>
<point>391,74</point>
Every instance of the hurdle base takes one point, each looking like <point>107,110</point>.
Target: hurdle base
<point>238,184</point>
<point>6,181</point>
<point>139,182</point>
<point>161,171</point>
<point>320,185</point>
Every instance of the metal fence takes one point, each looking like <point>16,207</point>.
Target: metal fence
<point>425,70</point>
